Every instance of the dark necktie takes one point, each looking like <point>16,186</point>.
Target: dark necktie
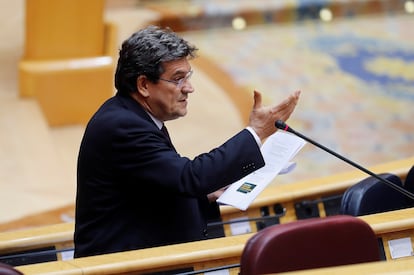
<point>165,131</point>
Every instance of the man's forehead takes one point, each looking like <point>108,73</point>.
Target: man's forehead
<point>180,66</point>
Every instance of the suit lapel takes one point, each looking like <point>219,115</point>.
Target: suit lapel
<point>131,104</point>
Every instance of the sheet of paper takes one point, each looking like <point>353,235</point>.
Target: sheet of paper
<point>239,228</point>
<point>400,248</point>
<point>67,255</point>
<point>218,272</point>
<point>278,151</point>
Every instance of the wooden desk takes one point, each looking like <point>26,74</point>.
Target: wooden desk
<point>204,254</point>
<point>44,238</point>
<point>291,196</point>
<point>392,225</point>
<point>199,255</point>
<point>394,267</point>
<point>60,236</point>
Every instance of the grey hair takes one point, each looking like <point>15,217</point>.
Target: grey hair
<point>144,52</point>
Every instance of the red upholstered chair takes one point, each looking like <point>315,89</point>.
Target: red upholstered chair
<point>310,243</point>
<point>6,269</point>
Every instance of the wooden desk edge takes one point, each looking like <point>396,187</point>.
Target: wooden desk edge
<point>387,222</point>
<point>188,254</point>
<point>405,266</point>
<point>36,237</point>
<point>185,254</point>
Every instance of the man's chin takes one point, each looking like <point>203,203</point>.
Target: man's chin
<point>182,112</point>
<point>178,115</point>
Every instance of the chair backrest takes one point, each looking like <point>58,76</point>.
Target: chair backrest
<point>310,243</point>
<point>409,185</point>
<point>409,180</point>
<point>371,196</point>
<point>6,269</point>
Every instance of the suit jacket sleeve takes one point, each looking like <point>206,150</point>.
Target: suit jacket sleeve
<point>151,159</point>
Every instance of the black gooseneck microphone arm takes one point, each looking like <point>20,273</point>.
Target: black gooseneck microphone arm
<point>283,126</point>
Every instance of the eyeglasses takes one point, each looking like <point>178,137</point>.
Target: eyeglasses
<point>180,82</point>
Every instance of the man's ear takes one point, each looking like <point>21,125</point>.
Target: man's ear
<point>142,85</point>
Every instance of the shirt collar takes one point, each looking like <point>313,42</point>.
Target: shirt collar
<point>157,122</point>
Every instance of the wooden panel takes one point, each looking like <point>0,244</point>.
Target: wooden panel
<point>58,267</point>
<point>209,253</point>
<point>394,267</point>
<point>68,91</point>
<point>68,64</point>
<point>38,237</point>
<point>383,222</point>
<point>64,29</point>
<point>391,226</point>
<point>215,252</point>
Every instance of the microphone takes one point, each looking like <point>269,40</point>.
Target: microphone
<point>283,126</point>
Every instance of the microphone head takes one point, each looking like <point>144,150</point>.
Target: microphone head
<point>280,124</point>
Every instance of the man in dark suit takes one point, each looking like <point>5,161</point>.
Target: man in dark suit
<point>134,190</point>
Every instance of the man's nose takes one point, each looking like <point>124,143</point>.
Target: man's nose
<point>187,86</point>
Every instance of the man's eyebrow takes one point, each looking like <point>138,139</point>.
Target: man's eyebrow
<point>180,72</point>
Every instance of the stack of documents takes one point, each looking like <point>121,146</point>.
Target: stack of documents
<point>278,151</point>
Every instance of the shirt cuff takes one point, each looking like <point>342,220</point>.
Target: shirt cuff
<point>256,137</point>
